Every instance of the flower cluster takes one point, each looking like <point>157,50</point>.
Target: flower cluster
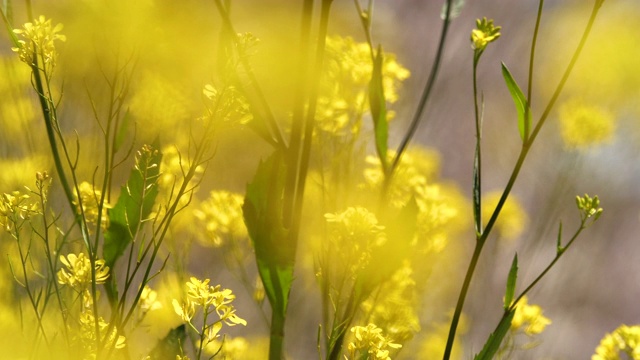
<point>212,299</point>
<point>484,33</point>
<point>221,214</point>
<point>38,40</point>
<point>87,334</point>
<point>15,208</point>
<point>393,307</point>
<point>624,339</point>
<point>77,271</point>
<point>227,105</point>
<point>343,98</point>
<point>149,300</point>
<point>90,198</point>
<point>369,339</point>
<point>358,229</point>
<point>583,126</point>
<point>529,318</point>
<point>589,207</point>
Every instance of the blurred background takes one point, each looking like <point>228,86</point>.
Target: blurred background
<point>592,290</point>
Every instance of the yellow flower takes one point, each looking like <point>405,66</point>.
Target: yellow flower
<point>624,339</point>
<point>185,310</point>
<point>14,208</point>
<point>369,339</point>
<point>344,85</point>
<point>222,216</point>
<point>227,105</point>
<point>87,334</point>
<point>149,300</point>
<point>513,218</point>
<point>583,126</point>
<point>90,199</point>
<point>529,318</point>
<point>78,271</point>
<point>485,33</point>
<point>39,39</point>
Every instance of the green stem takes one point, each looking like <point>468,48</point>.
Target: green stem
<point>526,146</point>
<point>276,338</point>
<point>425,95</point>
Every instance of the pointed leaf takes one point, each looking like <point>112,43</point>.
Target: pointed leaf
<point>378,105</point>
<point>171,345</point>
<point>134,204</point>
<point>123,130</point>
<point>511,282</point>
<point>262,210</point>
<point>495,339</point>
<point>524,125</point>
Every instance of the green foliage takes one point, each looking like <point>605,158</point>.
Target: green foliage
<point>134,204</point>
<point>522,106</point>
<point>511,283</point>
<point>495,339</point>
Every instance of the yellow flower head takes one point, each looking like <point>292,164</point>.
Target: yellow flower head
<point>624,339</point>
<point>369,339</point>
<point>227,105</point>
<point>14,208</point>
<point>222,215</point>
<point>89,197</point>
<point>344,94</point>
<point>485,33</point>
<point>78,271</point>
<point>149,300</point>
<point>210,298</point>
<point>589,207</point>
<point>583,126</point>
<point>529,318</point>
<point>38,39</point>
<point>87,334</point>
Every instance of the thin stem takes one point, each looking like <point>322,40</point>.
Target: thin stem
<point>425,94</point>
<point>534,41</point>
<point>526,146</point>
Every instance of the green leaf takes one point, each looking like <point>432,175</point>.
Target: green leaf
<point>511,282</point>
<point>171,345</point>
<point>495,339</point>
<point>524,125</point>
<point>262,210</point>
<point>134,204</point>
<point>378,105</point>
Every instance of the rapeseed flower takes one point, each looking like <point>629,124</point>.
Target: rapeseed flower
<point>484,34</point>
<point>370,339</point>
<point>583,126</point>
<point>90,199</point>
<point>529,318</point>
<point>77,271</point>
<point>38,40</point>
<point>625,339</point>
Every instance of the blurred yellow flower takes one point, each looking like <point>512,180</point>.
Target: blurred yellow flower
<point>90,198</point>
<point>222,216</point>
<point>529,318</point>
<point>344,86</point>
<point>513,218</point>
<point>583,126</point>
<point>625,339</point>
